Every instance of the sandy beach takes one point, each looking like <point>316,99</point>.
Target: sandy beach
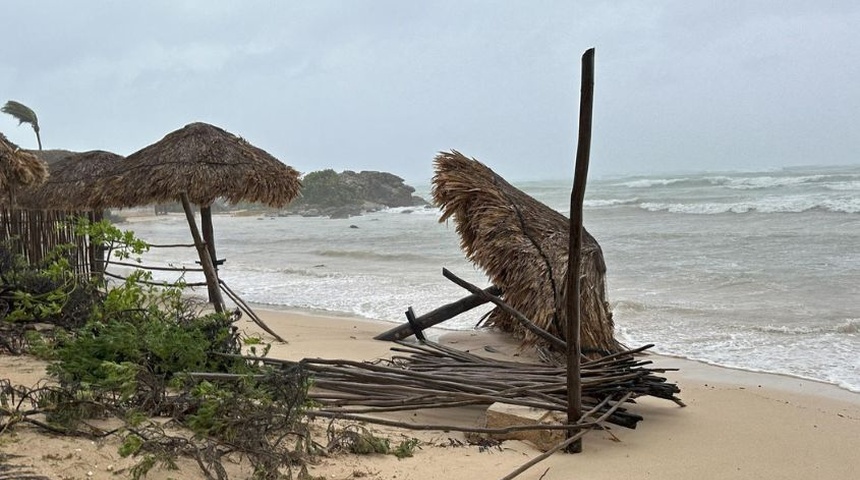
<point>736,424</point>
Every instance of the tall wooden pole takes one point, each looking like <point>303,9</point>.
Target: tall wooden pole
<point>209,240</point>
<point>203,252</point>
<point>577,197</point>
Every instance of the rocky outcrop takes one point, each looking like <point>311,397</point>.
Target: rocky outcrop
<point>346,194</point>
<point>379,187</point>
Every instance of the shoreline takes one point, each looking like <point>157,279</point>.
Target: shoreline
<point>730,428</point>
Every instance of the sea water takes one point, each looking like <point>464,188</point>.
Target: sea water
<point>752,270</point>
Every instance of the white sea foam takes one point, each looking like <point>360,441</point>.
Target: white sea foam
<point>768,204</point>
<point>853,186</point>
<point>747,183</point>
<point>651,182</point>
<point>612,202</point>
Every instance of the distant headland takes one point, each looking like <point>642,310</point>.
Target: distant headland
<point>341,195</point>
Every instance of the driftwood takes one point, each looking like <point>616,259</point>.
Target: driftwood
<point>439,315</point>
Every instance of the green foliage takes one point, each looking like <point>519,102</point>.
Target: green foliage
<point>128,354</point>
<point>209,417</point>
<point>142,467</point>
<point>122,244</point>
<point>365,443</point>
<point>406,448</point>
<point>324,189</point>
<point>359,440</point>
<point>47,292</point>
<point>131,445</point>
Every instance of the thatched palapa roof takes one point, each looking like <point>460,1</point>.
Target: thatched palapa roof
<point>205,162</point>
<point>18,168</point>
<point>522,245</point>
<point>51,156</point>
<point>72,184</point>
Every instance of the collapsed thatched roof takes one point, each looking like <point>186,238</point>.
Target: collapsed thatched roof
<point>522,245</point>
<point>18,168</point>
<point>205,162</point>
<point>71,185</point>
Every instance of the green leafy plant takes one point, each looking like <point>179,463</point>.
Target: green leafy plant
<point>136,351</point>
<point>121,244</point>
<point>406,448</point>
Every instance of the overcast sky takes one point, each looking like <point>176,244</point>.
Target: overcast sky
<point>383,85</point>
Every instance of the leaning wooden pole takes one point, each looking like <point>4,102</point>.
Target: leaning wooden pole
<point>577,197</point>
<point>209,239</point>
<point>205,260</point>
<point>439,315</point>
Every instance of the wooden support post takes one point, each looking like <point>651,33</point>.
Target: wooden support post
<point>577,197</point>
<point>416,329</point>
<point>209,239</point>
<point>97,251</point>
<point>439,315</point>
<point>205,260</point>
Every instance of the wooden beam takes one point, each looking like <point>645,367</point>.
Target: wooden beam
<point>439,315</point>
<point>577,197</point>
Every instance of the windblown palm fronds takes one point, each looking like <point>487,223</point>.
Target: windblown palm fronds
<point>522,245</point>
<point>23,114</point>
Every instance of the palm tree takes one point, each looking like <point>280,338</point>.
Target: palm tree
<point>24,114</point>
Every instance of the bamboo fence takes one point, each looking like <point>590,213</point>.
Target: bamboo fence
<point>35,233</point>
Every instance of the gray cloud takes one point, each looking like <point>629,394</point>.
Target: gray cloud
<point>386,84</point>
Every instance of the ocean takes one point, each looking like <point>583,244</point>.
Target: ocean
<point>752,270</point>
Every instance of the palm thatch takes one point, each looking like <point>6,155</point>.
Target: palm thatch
<point>18,168</point>
<point>71,185</point>
<point>53,155</point>
<point>204,162</point>
<point>522,245</point>
<point>23,114</point>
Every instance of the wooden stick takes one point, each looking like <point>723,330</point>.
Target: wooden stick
<point>413,323</point>
<point>209,240</point>
<point>565,444</point>
<point>439,315</point>
<point>556,342</point>
<point>577,197</point>
<point>245,308</point>
<point>147,267</point>
<point>453,428</point>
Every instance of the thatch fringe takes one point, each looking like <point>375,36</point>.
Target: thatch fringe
<point>522,245</point>
<point>205,162</point>
<point>18,168</point>
<point>71,185</point>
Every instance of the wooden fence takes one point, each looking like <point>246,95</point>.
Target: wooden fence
<point>35,233</point>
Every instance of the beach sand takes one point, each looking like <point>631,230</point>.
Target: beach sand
<point>738,425</point>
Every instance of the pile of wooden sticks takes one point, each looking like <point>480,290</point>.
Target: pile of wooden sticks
<point>429,375</point>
